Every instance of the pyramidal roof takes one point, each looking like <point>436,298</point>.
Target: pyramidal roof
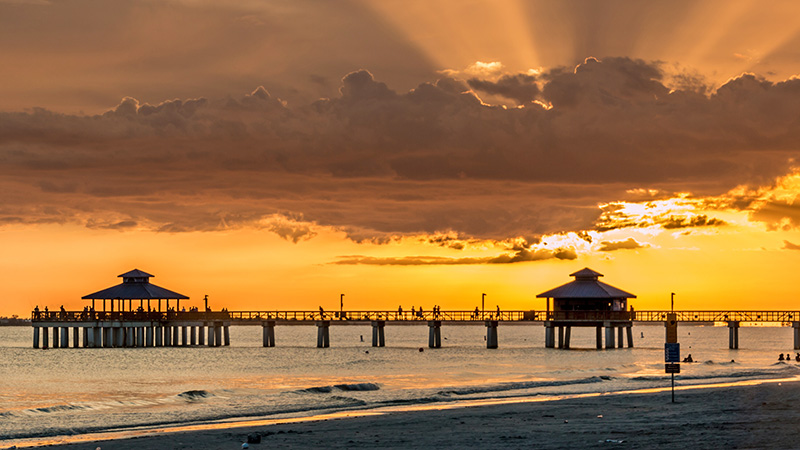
<point>135,286</point>
<point>135,273</point>
<point>586,285</point>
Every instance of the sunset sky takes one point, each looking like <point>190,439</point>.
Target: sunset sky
<point>274,154</point>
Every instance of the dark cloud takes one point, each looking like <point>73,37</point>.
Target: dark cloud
<point>377,163</point>
<point>524,255</point>
<point>790,246</point>
<point>627,244</point>
<point>777,214</point>
<point>520,87</point>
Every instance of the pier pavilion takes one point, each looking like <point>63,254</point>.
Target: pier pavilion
<point>587,302</point>
<point>132,325</point>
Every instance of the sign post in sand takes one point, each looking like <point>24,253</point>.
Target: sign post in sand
<point>672,350</point>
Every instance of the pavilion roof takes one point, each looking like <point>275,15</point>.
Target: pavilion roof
<point>136,286</point>
<point>586,285</point>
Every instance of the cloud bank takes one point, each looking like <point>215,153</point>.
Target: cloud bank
<point>377,163</point>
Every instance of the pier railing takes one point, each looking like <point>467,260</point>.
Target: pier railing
<point>155,316</point>
<point>409,316</point>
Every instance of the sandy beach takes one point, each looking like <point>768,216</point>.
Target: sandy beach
<point>760,416</point>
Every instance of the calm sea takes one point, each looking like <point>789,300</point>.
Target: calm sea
<point>77,391</point>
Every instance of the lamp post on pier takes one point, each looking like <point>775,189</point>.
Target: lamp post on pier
<point>483,306</point>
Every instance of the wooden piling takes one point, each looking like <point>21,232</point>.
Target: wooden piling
<point>378,337</point>
<point>435,334</point>
<point>491,333</point>
<point>323,333</point>
<point>549,335</point>
<point>599,337</point>
<point>796,329</point>
<point>733,334</point>
<point>268,333</point>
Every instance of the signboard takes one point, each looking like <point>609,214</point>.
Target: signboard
<point>672,368</point>
<point>672,352</point>
<point>672,328</point>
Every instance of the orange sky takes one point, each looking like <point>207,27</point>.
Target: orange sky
<point>278,154</point>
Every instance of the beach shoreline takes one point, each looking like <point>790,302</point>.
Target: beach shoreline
<point>751,414</point>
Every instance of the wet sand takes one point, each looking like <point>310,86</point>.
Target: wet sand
<point>761,416</point>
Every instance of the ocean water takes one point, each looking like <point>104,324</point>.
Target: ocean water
<point>68,392</point>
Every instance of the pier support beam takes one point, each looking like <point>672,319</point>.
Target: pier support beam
<point>76,337</point>
<point>108,338</point>
<point>130,335</point>
<point>35,337</point>
<point>184,336</point>
<point>201,335</point>
<point>140,336</point>
<point>378,337</point>
<point>268,333</point>
<point>620,342</point>
<point>90,342</point>
<point>98,337</point>
<point>217,334</point>
<point>176,336</point>
<point>56,342</point>
<point>796,329</point>
<point>158,335</point>
<point>45,337</point>
<point>323,333</point>
<point>226,335</point>
<point>167,336</point>
<point>148,339</point>
<point>733,334</point>
<point>599,337</point>
<point>435,334</point>
<point>193,336</point>
<point>549,335</point>
<point>609,335</point>
<point>560,337</point>
<point>86,332</point>
<point>567,334</point>
<point>211,334</point>
<point>119,333</point>
<point>64,337</point>
<point>629,330</point>
<point>491,334</point>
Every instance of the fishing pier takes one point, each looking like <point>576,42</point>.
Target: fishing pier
<point>131,316</point>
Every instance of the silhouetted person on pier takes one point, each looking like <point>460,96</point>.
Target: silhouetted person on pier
<point>498,311</point>
<point>63,312</point>
<point>476,314</point>
<point>36,313</point>
<point>400,310</point>
<point>321,312</point>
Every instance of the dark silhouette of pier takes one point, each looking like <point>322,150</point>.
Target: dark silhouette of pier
<point>584,302</point>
